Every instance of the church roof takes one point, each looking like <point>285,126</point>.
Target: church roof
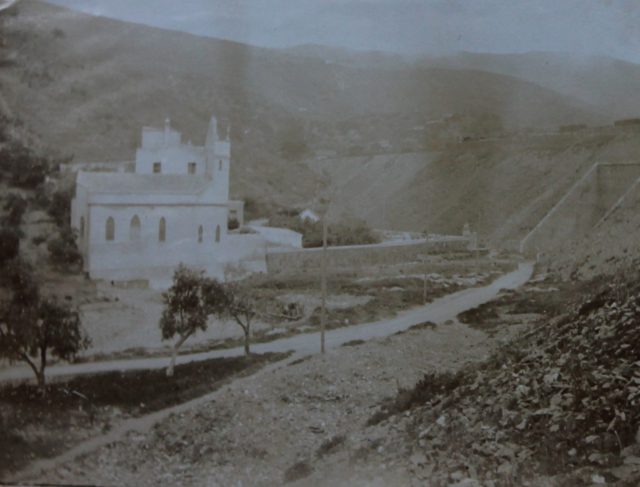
<point>132,183</point>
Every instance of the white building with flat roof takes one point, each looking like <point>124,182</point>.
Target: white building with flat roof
<point>173,209</point>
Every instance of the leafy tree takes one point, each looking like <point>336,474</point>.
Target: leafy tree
<point>60,207</point>
<point>25,168</point>
<point>239,304</point>
<point>15,207</point>
<point>63,249</point>
<point>9,244</point>
<point>187,305</point>
<point>32,326</point>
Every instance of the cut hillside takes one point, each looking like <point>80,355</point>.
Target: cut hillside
<point>87,84</point>
<point>611,245</point>
<point>501,186</point>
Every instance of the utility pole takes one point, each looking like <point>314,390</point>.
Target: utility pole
<point>426,247</point>
<point>424,280</point>
<point>323,282</point>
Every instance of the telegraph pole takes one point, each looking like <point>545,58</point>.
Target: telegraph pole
<point>426,247</point>
<point>323,282</point>
<point>424,287</point>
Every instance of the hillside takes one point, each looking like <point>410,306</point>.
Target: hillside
<point>606,84</point>
<point>87,84</point>
<point>611,245</point>
<point>501,186</point>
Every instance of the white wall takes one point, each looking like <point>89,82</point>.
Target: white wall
<point>154,138</point>
<point>79,209</point>
<point>173,160</point>
<point>123,258</point>
<point>280,237</point>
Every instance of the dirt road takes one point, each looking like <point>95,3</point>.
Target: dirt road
<point>438,311</point>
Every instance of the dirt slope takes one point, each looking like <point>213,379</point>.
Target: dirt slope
<point>501,186</point>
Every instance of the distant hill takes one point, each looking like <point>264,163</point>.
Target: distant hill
<point>609,86</point>
<point>87,84</point>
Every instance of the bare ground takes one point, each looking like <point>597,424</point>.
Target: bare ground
<point>286,423</point>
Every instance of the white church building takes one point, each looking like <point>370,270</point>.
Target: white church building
<point>172,209</point>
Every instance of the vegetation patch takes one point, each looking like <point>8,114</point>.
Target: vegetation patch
<point>34,426</point>
<point>330,446</point>
<point>297,471</point>
<point>563,397</point>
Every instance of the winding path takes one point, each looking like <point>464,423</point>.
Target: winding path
<point>438,311</point>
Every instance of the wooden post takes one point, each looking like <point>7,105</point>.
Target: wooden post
<point>323,282</point>
<point>424,289</point>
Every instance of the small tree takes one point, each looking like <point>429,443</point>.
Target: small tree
<point>239,304</point>
<point>32,327</point>
<point>188,303</point>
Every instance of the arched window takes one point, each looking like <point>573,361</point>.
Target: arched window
<point>134,228</point>
<point>110,229</point>
<point>218,233</point>
<point>200,232</point>
<point>81,227</point>
<point>162,230</point>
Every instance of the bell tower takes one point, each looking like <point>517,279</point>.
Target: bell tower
<point>218,159</point>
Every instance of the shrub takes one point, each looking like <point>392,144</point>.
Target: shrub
<point>22,167</point>
<point>15,206</point>
<point>63,250</point>
<point>233,224</point>
<point>60,207</point>
<point>351,232</point>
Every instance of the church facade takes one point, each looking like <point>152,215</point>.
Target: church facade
<point>172,209</point>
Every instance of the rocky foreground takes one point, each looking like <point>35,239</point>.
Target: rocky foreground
<point>279,425</point>
<point>556,405</point>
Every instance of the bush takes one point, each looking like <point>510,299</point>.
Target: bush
<point>60,207</point>
<point>63,250</point>
<point>22,167</point>
<point>233,224</point>
<point>15,206</point>
<point>353,232</point>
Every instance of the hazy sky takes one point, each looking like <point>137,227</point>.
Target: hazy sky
<point>606,27</point>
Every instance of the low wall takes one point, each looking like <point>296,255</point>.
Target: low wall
<point>279,237</point>
<point>358,257</point>
<point>244,253</point>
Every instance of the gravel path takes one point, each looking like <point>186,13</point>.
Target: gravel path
<point>438,311</point>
